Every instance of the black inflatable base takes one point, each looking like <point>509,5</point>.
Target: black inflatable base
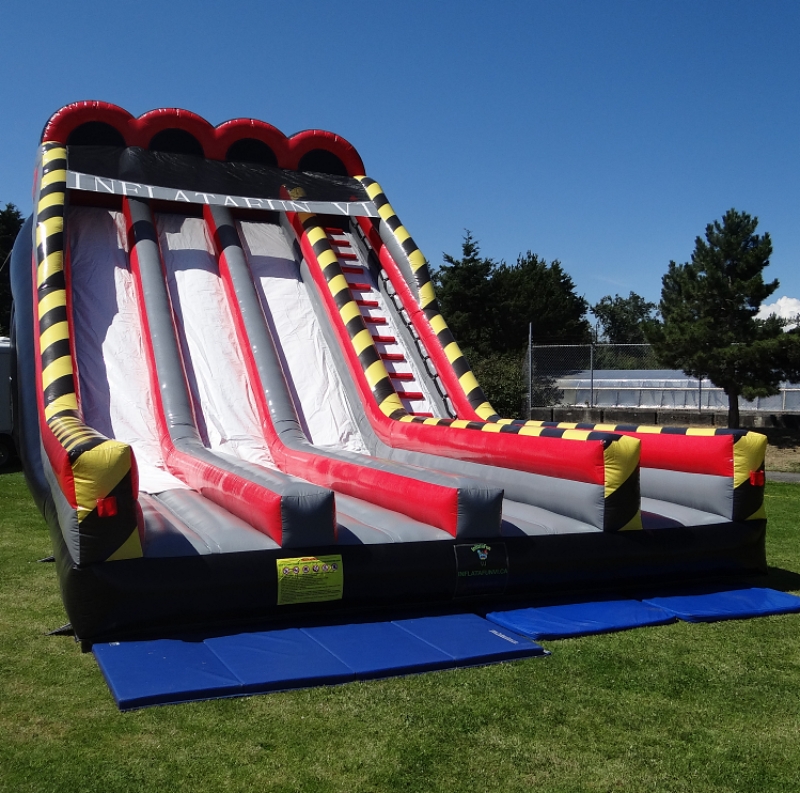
<point>157,597</point>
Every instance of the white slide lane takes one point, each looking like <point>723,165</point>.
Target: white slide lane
<point>113,380</point>
<point>224,403</point>
<point>309,366</point>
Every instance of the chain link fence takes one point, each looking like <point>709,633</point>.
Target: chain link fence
<point>627,375</point>
<point>549,365</point>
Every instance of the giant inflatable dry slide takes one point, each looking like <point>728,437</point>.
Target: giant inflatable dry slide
<point>237,400</point>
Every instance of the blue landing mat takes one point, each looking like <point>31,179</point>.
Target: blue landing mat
<point>727,605</point>
<point>163,671</point>
<point>580,619</point>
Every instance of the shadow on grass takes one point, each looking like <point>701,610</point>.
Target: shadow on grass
<point>781,437</point>
<point>778,578</point>
<point>11,467</point>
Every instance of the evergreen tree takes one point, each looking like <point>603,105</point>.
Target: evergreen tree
<point>533,291</point>
<point>623,320</point>
<point>463,288</point>
<point>488,306</point>
<point>10,223</point>
<point>708,325</point>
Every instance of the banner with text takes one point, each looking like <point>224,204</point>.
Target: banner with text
<point>102,184</point>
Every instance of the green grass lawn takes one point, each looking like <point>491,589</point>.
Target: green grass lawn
<point>676,708</point>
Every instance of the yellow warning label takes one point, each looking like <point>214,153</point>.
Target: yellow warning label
<point>310,579</point>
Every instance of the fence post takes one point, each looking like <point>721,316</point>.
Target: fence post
<point>591,375</point>
<point>530,370</point>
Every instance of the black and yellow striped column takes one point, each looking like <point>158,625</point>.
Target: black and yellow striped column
<point>622,485</point>
<point>102,469</point>
<point>57,376</point>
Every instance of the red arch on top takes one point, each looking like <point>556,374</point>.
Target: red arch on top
<point>311,139</point>
<point>155,121</point>
<point>236,129</point>
<point>215,140</point>
<point>69,117</point>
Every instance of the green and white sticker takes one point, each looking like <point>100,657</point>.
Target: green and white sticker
<point>310,579</point>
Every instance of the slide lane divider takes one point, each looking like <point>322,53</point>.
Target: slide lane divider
<point>610,460</point>
<point>455,504</point>
<point>97,475</point>
<point>291,512</point>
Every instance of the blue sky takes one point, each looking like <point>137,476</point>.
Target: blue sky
<point>604,134</point>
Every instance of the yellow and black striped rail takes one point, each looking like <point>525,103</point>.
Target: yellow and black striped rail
<point>648,429</point>
<point>428,302</point>
<point>101,468</point>
<point>350,312</point>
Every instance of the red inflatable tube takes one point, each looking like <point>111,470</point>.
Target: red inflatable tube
<point>693,454</point>
<point>578,461</point>
<point>427,502</point>
<point>256,505</point>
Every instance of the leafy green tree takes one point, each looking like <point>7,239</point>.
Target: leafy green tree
<point>10,223</point>
<point>623,320</point>
<point>488,306</point>
<point>708,325</point>
<point>502,378</point>
<point>533,291</point>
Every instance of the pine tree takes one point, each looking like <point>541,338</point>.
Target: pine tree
<point>463,288</point>
<point>708,308</point>
<point>534,291</point>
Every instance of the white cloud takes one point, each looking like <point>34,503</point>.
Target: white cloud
<point>784,307</point>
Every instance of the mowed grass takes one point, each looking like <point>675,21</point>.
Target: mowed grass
<point>676,708</point>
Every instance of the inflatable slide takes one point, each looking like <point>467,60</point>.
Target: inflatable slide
<point>238,401</point>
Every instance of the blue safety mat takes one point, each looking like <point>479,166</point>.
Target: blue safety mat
<point>727,605</point>
<point>278,659</point>
<point>469,639</point>
<point>580,619</point>
<point>162,671</point>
